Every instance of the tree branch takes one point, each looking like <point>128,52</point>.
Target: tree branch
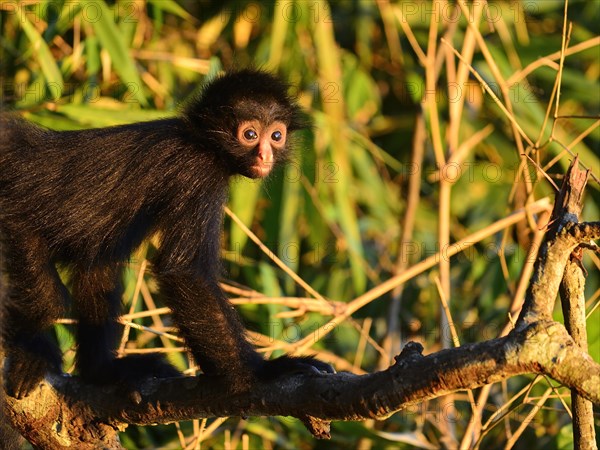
<point>573,305</point>
<point>572,295</point>
<point>563,236</point>
<point>63,411</point>
<point>543,347</point>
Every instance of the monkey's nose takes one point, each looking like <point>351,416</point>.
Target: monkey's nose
<point>265,152</point>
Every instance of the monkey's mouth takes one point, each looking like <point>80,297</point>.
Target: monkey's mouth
<point>261,170</point>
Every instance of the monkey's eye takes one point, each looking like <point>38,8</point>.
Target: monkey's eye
<point>277,136</point>
<point>250,134</point>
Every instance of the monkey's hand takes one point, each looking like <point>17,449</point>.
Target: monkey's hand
<point>289,365</point>
<point>27,363</point>
<point>129,373</point>
<point>134,368</point>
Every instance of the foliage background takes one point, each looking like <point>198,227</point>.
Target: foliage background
<point>408,153</point>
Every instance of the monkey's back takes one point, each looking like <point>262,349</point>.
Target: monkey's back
<point>94,194</point>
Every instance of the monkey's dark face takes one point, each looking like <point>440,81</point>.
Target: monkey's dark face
<point>263,144</point>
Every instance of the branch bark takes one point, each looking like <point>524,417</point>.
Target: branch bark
<point>82,411</point>
<point>63,412</point>
<point>572,295</point>
<point>573,305</point>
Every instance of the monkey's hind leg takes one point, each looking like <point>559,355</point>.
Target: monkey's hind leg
<point>35,300</point>
<point>97,293</point>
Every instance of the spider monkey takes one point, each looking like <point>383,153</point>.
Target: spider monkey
<point>87,199</point>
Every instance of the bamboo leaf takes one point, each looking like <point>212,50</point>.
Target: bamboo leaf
<point>112,39</point>
<point>54,79</point>
<point>243,197</point>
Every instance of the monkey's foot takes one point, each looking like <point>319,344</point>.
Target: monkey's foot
<point>26,365</point>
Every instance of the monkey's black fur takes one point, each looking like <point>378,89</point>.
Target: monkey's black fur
<point>87,199</point>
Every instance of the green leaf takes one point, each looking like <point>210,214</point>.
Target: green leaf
<point>243,196</point>
<point>103,117</point>
<point>172,7</point>
<point>113,40</point>
<point>54,79</point>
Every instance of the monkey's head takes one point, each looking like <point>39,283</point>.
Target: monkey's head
<point>247,117</point>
